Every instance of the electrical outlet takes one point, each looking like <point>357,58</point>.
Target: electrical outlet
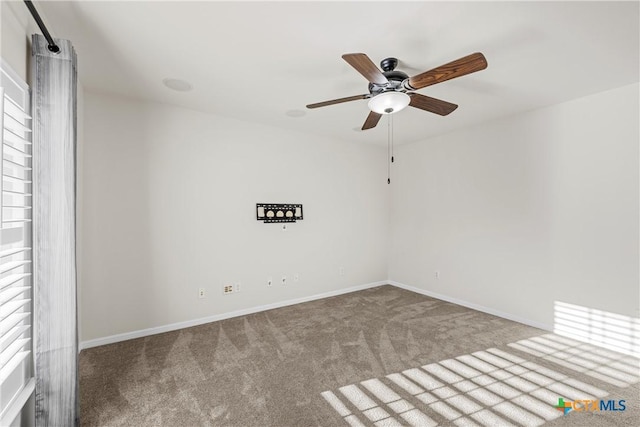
<point>236,286</point>
<point>296,277</point>
<point>228,289</point>
<point>437,274</point>
<point>201,293</point>
<point>269,281</point>
<point>284,280</point>
<point>341,271</point>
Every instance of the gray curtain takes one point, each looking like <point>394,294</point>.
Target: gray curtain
<point>54,198</point>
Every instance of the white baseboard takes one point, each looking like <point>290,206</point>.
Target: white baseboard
<point>195,322</point>
<point>473,306</point>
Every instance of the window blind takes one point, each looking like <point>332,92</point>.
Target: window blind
<point>16,293</point>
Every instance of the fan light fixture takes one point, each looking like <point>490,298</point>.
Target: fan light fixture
<point>389,102</point>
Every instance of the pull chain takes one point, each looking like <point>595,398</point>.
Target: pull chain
<point>391,123</point>
<point>389,155</point>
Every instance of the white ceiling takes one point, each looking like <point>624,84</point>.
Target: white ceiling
<point>257,61</point>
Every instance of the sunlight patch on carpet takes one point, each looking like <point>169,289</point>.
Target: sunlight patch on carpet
<point>484,388</point>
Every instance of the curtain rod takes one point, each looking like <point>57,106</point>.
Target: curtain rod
<point>53,47</point>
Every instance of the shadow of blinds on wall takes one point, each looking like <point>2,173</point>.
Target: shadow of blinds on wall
<point>16,319</point>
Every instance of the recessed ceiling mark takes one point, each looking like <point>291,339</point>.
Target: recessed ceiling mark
<point>296,113</point>
<point>177,85</point>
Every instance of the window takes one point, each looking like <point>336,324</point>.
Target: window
<point>16,295</point>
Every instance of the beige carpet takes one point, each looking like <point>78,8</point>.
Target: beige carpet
<point>382,356</point>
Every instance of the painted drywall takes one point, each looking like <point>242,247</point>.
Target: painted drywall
<point>169,198</point>
<point>15,36</point>
<point>518,213</point>
<point>512,213</point>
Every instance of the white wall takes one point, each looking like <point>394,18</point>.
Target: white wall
<point>15,35</point>
<point>515,214</point>
<point>521,212</point>
<point>169,200</point>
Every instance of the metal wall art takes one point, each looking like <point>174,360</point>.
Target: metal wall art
<point>278,212</point>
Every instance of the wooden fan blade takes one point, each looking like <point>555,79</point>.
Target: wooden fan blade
<point>372,120</point>
<point>460,67</point>
<point>431,105</point>
<point>366,67</point>
<point>337,101</point>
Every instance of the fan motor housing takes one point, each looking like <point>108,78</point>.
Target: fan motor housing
<point>395,77</point>
<point>395,82</point>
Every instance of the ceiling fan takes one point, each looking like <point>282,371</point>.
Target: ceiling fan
<point>391,90</point>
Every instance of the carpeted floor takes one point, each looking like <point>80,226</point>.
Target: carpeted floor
<point>382,356</point>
